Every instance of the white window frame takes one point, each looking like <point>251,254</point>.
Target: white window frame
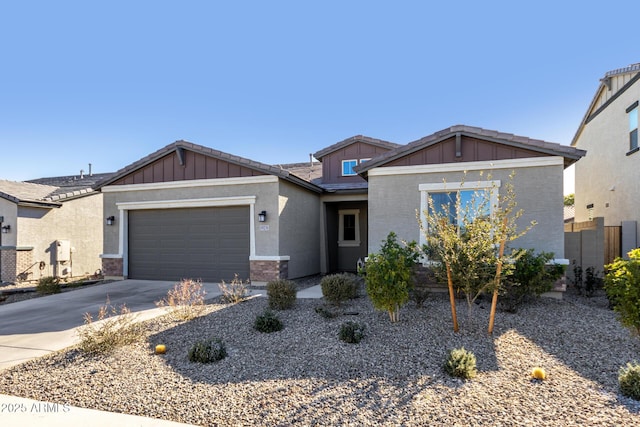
<point>341,241</point>
<point>633,127</point>
<point>442,187</point>
<point>352,171</point>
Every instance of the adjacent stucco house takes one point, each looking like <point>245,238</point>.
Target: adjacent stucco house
<point>191,211</point>
<point>606,180</point>
<point>52,229</point>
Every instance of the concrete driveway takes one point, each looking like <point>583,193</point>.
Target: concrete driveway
<point>35,327</point>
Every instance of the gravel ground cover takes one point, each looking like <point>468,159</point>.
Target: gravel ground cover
<point>304,375</point>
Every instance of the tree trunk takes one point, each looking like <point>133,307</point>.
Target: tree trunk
<point>494,301</point>
<point>452,300</point>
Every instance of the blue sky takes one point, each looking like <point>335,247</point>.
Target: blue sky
<point>110,82</point>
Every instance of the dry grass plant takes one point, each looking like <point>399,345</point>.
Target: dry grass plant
<point>186,300</point>
<point>112,328</point>
<point>236,291</point>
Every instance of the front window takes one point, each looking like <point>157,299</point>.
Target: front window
<point>347,167</point>
<point>349,227</point>
<point>633,128</point>
<point>461,206</point>
<point>461,202</point>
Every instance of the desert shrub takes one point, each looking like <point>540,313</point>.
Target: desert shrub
<point>325,312</point>
<point>268,322</point>
<point>338,288</point>
<point>622,285</point>
<point>592,281</point>
<point>234,292</point>
<point>629,380</point>
<point>531,277</point>
<point>351,332</point>
<point>111,329</point>
<point>48,285</point>
<point>419,294</point>
<point>389,275</point>
<point>185,301</point>
<point>281,294</point>
<point>461,363</point>
<point>208,351</point>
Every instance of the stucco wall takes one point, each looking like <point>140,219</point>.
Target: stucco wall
<point>394,201</point>
<point>266,194</point>
<point>299,229</point>
<point>606,175</point>
<point>79,221</point>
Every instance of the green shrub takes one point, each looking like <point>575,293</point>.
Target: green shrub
<point>338,288</point>
<point>419,294</point>
<point>48,285</point>
<point>325,312</point>
<point>113,329</point>
<point>281,294</point>
<point>622,285</point>
<point>461,363</point>
<point>268,322</point>
<point>531,277</point>
<point>351,332</point>
<point>629,380</point>
<point>389,275</point>
<point>208,351</point>
<point>185,301</point>
<point>234,292</point>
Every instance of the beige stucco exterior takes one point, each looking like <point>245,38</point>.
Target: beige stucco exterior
<point>395,198</point>
<point>35,230</point>
<point>607,177</point>
<point>299,216</point>
<point>288,234</point>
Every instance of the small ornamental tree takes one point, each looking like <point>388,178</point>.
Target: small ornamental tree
<point>467,241</point>
<point>389,275</point>
<point>622,285</point>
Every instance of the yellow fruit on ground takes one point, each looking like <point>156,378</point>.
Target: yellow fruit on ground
<point>538,373</point>
<point>161,349</point>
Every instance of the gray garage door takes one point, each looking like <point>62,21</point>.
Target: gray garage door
<point>198,243</point>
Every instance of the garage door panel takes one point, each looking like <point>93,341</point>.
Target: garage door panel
<point>206,243</point>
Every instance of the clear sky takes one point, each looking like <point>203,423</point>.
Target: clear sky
<point>110,82</point>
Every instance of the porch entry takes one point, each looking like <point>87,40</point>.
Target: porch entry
<point>347,238</point>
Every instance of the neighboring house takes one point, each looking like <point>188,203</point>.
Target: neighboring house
<point>50,227</point>
<point>191,211</point>
<point>606,180</point>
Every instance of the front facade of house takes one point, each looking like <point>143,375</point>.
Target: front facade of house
<point>606,181</point>
<point>187,211</point>
<point>49,230</point>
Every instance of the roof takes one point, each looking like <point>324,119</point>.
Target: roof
<point>40,195</point>
<point>570,154</point>
<point>178,145</point>
<point>604,84</point>
<point>71,183</point>
<point>310,172</point>
<point>569,213</point>
<point>358,138</point>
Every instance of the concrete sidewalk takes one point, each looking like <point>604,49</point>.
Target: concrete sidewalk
<point>19,412</point>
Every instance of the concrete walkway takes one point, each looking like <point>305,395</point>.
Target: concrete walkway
<point>33,328</point>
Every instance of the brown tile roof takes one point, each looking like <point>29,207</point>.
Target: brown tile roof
<point>358,138</point>
<point>570,154</point>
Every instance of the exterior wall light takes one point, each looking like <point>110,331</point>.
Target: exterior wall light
<point>111,220</point>
<point>262,216</point>
<point>6,229</point>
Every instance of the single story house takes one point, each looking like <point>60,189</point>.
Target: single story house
<point>50,227</point>
<point>192,211</point>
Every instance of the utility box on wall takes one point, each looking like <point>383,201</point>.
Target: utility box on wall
<point>63,250</point>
